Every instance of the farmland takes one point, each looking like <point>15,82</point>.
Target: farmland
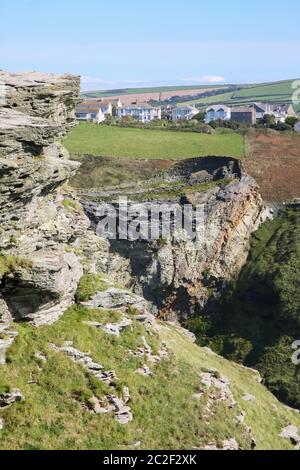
<point>277,92</point>
<point>120,142</point>
<point>145,94</point>
<point>274,92</point>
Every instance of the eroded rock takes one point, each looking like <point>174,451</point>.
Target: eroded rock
<point>291,432</point>
<point>8,398</point>
<point>120,299</point>
<point>107,376</point>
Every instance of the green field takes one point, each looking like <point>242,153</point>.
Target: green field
<point>107,141</point>
<point>277,92</point>
<point>132,91</point>
<point>221,98</point>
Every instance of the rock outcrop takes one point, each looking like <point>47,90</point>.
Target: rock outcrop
<point>175,275</point>
<point>39,277</point>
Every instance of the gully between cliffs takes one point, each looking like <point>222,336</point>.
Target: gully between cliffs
<point>175,275</point>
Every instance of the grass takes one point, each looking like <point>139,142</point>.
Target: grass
<point>268,92</point>
<point>102,172</point>
<point>88,285</point>
<point>277,92</point>
<point>177,192</point>
<point>119,142</point>
<point>10,263</point>
<point>71,205</point>
<point>257,319</point>
<point>53,415</point>
<point>265,415</point>
<point>131,91</point>
<point>221,98</point>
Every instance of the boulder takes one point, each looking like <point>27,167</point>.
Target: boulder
<point>291,432</point>
<point>44,290</point>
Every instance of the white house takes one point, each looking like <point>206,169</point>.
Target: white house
<point>279,111</point>
<point>141,111</point>
<point>184,113</point>
<point>106,107</point>
<point>262,109</point>
<point>215,112</point>
<point>93,110</point>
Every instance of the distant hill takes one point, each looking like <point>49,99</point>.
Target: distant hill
<point>276,92</point>
<point>130,95</point>
<point>132,91</point>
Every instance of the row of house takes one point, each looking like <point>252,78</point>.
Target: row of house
<point>248,114</point>
<point>97,110</point>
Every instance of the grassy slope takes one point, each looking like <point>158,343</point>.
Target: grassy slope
<point>265,416</point>
<point>165,416</point>
<point>101,172</point>
<point>259,317</point>
<point>132,91</point>
<point>271,92</point>
<point>221,98</point>
<point>147,143</point>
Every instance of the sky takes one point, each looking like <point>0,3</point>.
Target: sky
<point>119,44</point>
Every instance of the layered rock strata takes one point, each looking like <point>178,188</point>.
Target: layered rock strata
<point>176,275</point>
<point>38,276</point>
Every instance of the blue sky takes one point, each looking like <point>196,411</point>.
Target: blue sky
<point>115,44</point>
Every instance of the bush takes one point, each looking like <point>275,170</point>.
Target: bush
<point>281,126</point>
<point>291,121</point>
<point>258,317</point>
<point>219,123</point>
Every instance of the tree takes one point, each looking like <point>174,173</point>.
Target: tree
<point>281,126</point>
<point>200,116</point>
<point>291,120</point>
<point>268,120</point>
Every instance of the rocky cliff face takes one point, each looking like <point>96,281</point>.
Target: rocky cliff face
<point>177,276</point>
<point>38,274</point>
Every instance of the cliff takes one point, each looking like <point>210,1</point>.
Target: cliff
<point>39,277</point>
<point>102,372</point>
<point>176,275</point>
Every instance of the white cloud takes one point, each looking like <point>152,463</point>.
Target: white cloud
<point>86,79</point>
<point>90,83</point>
<point>205,79</point>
